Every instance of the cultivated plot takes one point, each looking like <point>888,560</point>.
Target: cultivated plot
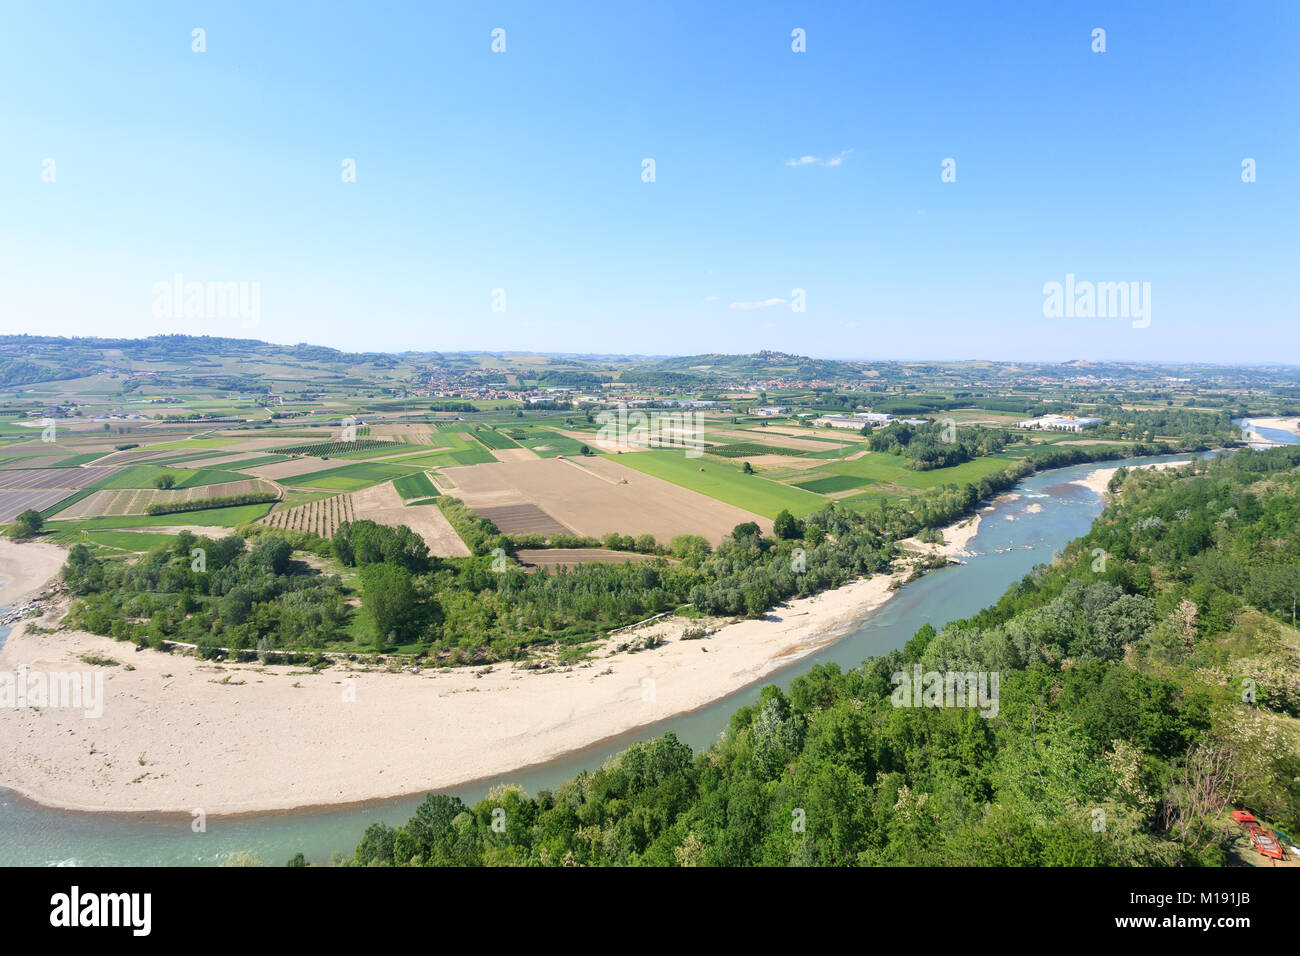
<point>39,489</point>
<point>136,501</point>
<point>594,496</point>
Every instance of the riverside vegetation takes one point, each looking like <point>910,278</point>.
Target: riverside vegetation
<point>251,594</point>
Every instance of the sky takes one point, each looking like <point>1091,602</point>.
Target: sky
<point>502,199</point>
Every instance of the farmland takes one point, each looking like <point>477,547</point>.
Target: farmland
<point>415,486</point>
<point>319,517</point>
<point>354,477</point>
<point>749,449</point>
<point>726,483</point>
<point>41,489</point>
<point>595,496</point>
<point>328,449</point>
<point>110,501</point>
<point>494,440</point>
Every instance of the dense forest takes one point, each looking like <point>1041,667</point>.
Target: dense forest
<point>1147,685</point>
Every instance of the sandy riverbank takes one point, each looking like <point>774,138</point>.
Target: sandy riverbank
<point>26,567</point>
<point>956,539</point>
<point>178,734</point>
<point>1291,425</point>
<point>1098,480</point>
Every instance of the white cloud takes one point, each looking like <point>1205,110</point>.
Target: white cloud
<point>836,160</point>
<point>710,298</point>
<point>764,304</point>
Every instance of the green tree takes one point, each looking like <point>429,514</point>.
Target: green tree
<point>787,526</point>
<point>389,602</point>
<point>26,524</point>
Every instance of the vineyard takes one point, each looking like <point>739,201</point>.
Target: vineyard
<point>493,439</point>
<point>319,517</point>
<point>750,449</point>
<point>324,449</point>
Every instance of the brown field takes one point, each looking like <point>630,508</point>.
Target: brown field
<point>764,436</point>
<point>134,456</point>
<point>780,461</point>
<point>42,488</point>
<point>522,519</point>
<point>551,558</point>
<point>415,434</point>
<point>319,517</point>
<point>295,467</point>
<point>512,454</point>
<point>135,501</point>
<point>382,504</point>
<point>596,497</point>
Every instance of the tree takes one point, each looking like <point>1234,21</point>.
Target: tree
<point>389,602</point>
<point>584,450</point>
<point>27,524</point>
<point>167,480</point>
<point>748,468</point>
<point>786,525</point>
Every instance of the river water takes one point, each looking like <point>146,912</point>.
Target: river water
<point>1049,510</point>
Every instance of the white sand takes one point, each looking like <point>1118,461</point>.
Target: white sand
<point>26,567</point>
<point>1291,425</point>
<point>1099,479</point>
<point>178,734</point>
<point>956,539</point>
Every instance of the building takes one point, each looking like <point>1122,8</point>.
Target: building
<point>771,411</point>
<point>1059,423</point>
<point>857,420</point>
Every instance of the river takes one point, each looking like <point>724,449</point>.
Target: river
<point>1012,539</point>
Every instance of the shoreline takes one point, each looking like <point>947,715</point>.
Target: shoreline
<point>179,734</point>
<point>1099,478</point>
<point>956,537</point>
<point>1291,425</point>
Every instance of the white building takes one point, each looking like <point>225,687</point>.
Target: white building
<point>1059,423</point>
<point>771,411</point>
<point>842,421</point>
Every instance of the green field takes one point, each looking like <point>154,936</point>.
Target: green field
<point>884,468</point>
<point>723,482</point>
<point>493,439</point>
<point>353,477</point>
<point>341,449</point>
<point>135,541</point>
<point>446,459</point>
<point>214,517</point>
<point>143,476</point>
<point>833,483</point>
<point>548,444</point>
<point>752,449</point>
<point>416,486</point>
<point>76,460</point>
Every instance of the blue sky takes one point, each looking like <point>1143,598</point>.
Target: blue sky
<point>522,171</point>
